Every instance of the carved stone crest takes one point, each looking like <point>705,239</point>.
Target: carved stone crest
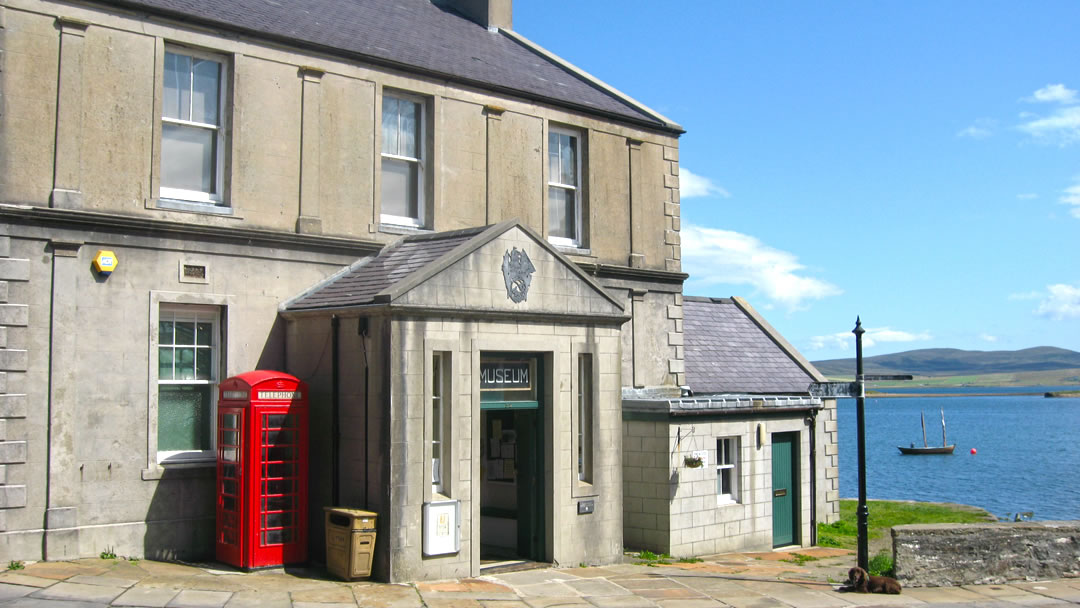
<point>517,271</point>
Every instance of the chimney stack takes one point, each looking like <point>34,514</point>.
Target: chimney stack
<point>488,13</point>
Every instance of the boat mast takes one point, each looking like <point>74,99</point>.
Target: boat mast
<point>922,416</point>
<point>944,441</point>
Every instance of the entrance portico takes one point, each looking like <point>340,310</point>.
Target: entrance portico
<point>477,377</point>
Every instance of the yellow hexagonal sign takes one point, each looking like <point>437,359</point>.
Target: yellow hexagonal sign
<point>105,262</point>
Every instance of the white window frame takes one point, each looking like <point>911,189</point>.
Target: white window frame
<point>195,313</point>
<point>577,240</point>
<point>732,467</point>
<point>437,419</point>
<point>586,411</point>
<point>218,196</point>
<point>420,161</point>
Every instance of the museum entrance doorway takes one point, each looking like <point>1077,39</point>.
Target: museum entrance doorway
<point>511,458</point>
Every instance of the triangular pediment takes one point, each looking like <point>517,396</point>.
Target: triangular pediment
<point>507,271</point>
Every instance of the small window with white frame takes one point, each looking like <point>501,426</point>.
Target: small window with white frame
<point>565,201</point>
<point>727,470</point>
<point>439,418</point>
<point>403,172</point>
<point>193,132</point>
<point>188,345</point>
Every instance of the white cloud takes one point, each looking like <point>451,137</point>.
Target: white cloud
<point>713,256</point>
<point>692,185</point>
<point>1027,196</point>
<point>1060,302</point>
<point>1053,93</point>
<point>1061,127</point>
<point>988,338</point>
<point>873,336</point>
<point>983,128</point>
<point>1071,196</point>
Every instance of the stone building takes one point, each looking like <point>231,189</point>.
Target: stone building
<point>334,189</point>
<point>748,460</point>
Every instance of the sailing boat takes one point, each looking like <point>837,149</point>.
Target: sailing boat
<point>926,449</point>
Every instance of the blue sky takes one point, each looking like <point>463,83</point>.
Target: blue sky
<point>916,163</point>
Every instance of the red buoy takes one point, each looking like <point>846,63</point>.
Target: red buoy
<point>972,450</point>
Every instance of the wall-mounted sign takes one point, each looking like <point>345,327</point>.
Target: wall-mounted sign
<point>505,375</point>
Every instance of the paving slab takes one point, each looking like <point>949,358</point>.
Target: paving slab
<point>9,591</point>
<point>596,587</point>
<point>78,592</point>
<point>387,596</point>
<point>550,589</point>
<point>103,580</point>
<point>943,595</point>
<point>151,597</point>
<point>63,570</point>
<point>556,602</point>
<point>337,594</point>
<point>1053,589</point>
<point>18,578</point>
<point>669,594</point>
<point>199,598</point>
<point>32,602</point>
<point>691,603</point>
<point>324,605</point>
<point>621,601</point>
<point>452,603</point>
<point>530,577</point>
<point>592,572</point>
<point>260,599</point>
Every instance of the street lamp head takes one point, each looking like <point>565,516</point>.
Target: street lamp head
<point>858,331</point>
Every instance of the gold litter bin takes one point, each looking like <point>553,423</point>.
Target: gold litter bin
<point>350,542</point>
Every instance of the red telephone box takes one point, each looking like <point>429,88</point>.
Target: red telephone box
<point>262,470</point>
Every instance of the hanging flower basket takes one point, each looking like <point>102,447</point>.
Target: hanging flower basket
<point>693,462</point>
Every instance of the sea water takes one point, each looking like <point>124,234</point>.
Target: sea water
<point>1027,447</point>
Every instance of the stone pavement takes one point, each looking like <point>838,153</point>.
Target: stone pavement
<point>802,578</point>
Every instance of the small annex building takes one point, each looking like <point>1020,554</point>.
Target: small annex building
<point>746,459</point>
<point>477,354</point>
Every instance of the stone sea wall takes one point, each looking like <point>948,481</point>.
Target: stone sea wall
<point>961,554</point>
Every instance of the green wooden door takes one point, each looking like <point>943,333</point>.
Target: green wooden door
<point>785,485</point>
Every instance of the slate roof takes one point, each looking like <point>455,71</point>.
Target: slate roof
<point>413,35</point>
<point>361,282</point>
<point>726,351</point>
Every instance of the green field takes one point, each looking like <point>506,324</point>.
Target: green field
<point>1059,377</point>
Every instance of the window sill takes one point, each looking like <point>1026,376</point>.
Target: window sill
<point>184,470</point>
<point>570,250</point>
<point>171,204</point>
<point>402,229</point>
<point>725,502</point>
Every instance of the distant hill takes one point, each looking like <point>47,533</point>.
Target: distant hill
<point>955,362</point>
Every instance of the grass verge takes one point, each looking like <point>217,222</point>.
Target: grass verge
<point>884,514</point>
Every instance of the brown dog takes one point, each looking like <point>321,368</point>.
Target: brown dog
<point>862,582</point>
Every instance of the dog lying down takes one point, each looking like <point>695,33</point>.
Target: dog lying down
<point>859,580</point>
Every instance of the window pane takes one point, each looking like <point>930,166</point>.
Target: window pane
<point>568,155</point>
<point>183,418</point>
<point>204,91</point>
<point>184,365</point>
<point>165,363</point>
<point>561,222</point>
<point>165,332</point>
<point>185,333</point>
<point>204,333</point>
<point>389,125</point>
<point>399,194</point>
<point>176,99</point>
<point>203,360</point>
<point>187,158</point>
<point>410,134</point>
<point>553,157</point>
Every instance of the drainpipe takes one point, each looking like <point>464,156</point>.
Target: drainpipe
<point>335,423</point>
<point>813,477</point>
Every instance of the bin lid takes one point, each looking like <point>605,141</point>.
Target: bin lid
<point>350,512</point>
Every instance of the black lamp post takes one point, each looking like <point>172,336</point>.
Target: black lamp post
<point>860,402</point>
